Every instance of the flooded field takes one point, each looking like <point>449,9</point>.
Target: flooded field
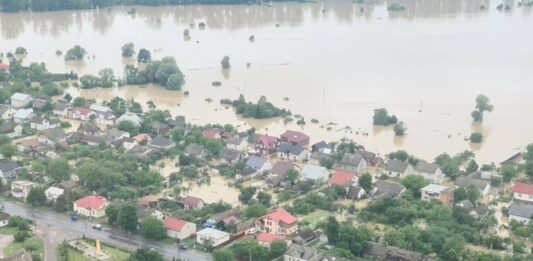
<point>336,61</point>
<point>216,191</point>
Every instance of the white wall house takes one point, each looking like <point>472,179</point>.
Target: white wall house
<point>52,193</point>
<point>211,236</point>
<point>523,192</point>
<point>179,228</point>
<point>20,100</point>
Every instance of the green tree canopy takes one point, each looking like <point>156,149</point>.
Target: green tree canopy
<point>153,228</point>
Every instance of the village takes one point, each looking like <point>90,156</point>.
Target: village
<point>220,189</point>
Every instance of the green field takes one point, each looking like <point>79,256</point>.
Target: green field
<point>316,216</point>
<point>33,242</point>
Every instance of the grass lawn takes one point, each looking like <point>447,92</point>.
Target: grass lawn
<point>13,247</point>
<point>118,255</point>
<point>316,216</point>
<point>75,256</point>
<point>9,230</point>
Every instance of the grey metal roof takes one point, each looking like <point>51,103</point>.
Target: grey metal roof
<point>256,162</point>
<point>464,181</point>
<point>302,252</point>
<point>230,155</point>
<point>351,159</point>
<point>397,166</point>
<point>289,148</point>
<point>281,167</point>
<point>235,141</point>
<point>426,167</point>
<point>387,189</point>
<point>194,149</point>
<point>521,210</point>
<point>8,127</point>
<point>8,165</point>
<point>161,141</point>
<point>55,134</point>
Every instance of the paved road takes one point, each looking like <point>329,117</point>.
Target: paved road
<point>113,236</point>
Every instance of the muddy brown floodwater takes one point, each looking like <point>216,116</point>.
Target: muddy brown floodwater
<point>335,62</point>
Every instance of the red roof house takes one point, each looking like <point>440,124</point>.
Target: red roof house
<point>179,228</point>
<point>266,144</point>
<point>267,238</point>
<point>91,206</point>
<point>81,113</point>
<point>295,138</point>
<point>342,178</point>
<point>523,192</point>
<point>4,67</point>
<point>211,134</point>
<point>277,221</point>
<point>190,202</point>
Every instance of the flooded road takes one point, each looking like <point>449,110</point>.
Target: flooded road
<point>333,61</point>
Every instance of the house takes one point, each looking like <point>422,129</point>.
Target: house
<point>292,152</point>
<point>194,150</point>
<point>387,189</point>
<point>522,213</point>
<point>212,237</point>
<point>21,188</point>
<point>161,142</point>
<point>265,144</point>
<point>11,129</point>
<point>371,158</point>
<point>89,128</point>
<point>6,112</point>
<point>260,165</point>
<point>213,134</point>
<point>352,163</point>
<point>437,192</point>
<point>314,173</point>
<point>490,176</point>
<point>190,202</point>
<point>279,171</point>
<point>92,140</point>
<point>316,157</point>
<point>355,192</point>
<point>61,108</point>
<point>68,185</point>
<point>52,136</point>
<point>515,159</point>
<point>430,172</point>
<point>297,252</point>
<point>230,156</point>
<point>8,170</point>
<point>277,221</point>
<point>127,143</point>
<point>228,215</point>
<point>20,100</point>
<point>4,67</point>
<point>398,168</point>
<point>476,212</point>
<point>28,146</point>
<point>130,116</point>
<point>52,193</point>
<point>141,137</point>
<point>295,138</point>
<point>237,143</point>
<point>342,178</point>
<point>482,185</point>
<point>305,236</point>
<point>105,118</point>
<point>81,113</point>
<point>99,108</point>
<point>322,147</point>
<point>23,115</point>
<point>116,134</point>
<point>179,228</point>
<point>523,192</point>
<point>265,239</point>
<point>140,150</point>
<point>4,219</point>
<point>39,104</point>
<point>91,206</point>
<point>159,127</point>
<point>247,173</point>
<point>40,123</point>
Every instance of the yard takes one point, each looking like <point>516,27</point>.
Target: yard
<point>116,254</point>
<point>314,217</point>
<point>33,244</point>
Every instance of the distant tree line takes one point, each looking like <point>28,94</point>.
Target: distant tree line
<point>261,110</point>
<point>53,5</point>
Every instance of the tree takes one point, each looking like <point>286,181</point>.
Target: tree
<point>127,217</point>
<point>249,248</point>
<point>381,117</point>
<point>529,152</point>
<point>129,127</point>
<point>153,228</point>
<point>277,248</point>
<point>175,81</point>
<point>399,128</point>
<point>332,230</point>
<point>107,77</point>
<point>36,197</point>
<point>401,155</point>
<point>168,67</point>
<point>255,210</point>
<point>529,169</point>
<point>508,172</point>
<point>264,198</point>
<point>75,54</point>
<point>21,51</point>
<point>472,166</point>
<point>247,194</point>
<point>111,213</point>
<point>144,56</point>
<point>143,254</point>
<point>79,102</point>
<point>292,175</point>
<point>224,254</point>
<point>482,105</point>
<point>476,137</point>
<point>225,62</point>
<point>414,183</point>
<point>365,182</point>
<point>58,169</point>
<point>8,150</point>
<point>128,50</point>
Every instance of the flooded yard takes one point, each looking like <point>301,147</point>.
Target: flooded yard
<point>216,191</point>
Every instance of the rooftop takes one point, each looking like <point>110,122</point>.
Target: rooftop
<point>523,188</point>
<point>93,202</point>
<point>280,214</point>
<point>174,223</point>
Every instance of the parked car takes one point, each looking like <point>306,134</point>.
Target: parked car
<point>97,226</point>
<point>182,246</point>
